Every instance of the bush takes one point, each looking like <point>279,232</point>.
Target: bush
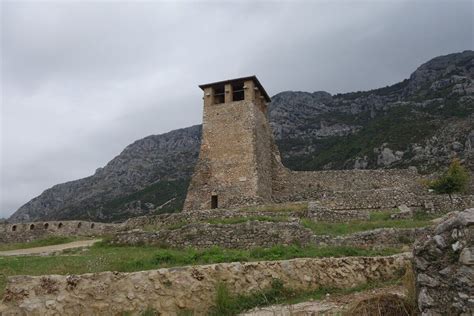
<point>454,180</point>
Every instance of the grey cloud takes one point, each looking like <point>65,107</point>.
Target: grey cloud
<point>81,80</point>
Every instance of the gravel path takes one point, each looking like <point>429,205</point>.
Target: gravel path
<point>49,249</point>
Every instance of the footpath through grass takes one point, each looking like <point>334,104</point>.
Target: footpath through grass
<point>376,220</point>
<point>104,257</point>
<point>48,241</point>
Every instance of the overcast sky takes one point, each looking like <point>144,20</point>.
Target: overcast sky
<point>80,81</point>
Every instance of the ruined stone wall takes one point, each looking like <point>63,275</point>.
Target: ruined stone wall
<point>254,234</point>
<point>346,185</point>
<point>25,232</point>
<point>317,212</point>
<point>164,220</point>
<point>444,267</point>
<point>246,235</point>
<point>376,238</point>
<point>174,290</point>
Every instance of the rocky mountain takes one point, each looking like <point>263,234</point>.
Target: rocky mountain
<point>423,121</point>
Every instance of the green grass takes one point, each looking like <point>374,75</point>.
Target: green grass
<point>104,257</point>
<point>377,220</point>
<point>48,241</point>
<point>243,219</point>
<point>227,304</point>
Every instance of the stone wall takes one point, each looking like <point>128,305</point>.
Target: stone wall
<point>376,238</point>
<point>164,220</point>
<point>317,212</point>
<point>253,234</point>
<point>25,232</point>
<point>191,288</point>
<point>202,235</point>
<point>444,267</point>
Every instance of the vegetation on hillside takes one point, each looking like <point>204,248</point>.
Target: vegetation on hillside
<point>454,180</point>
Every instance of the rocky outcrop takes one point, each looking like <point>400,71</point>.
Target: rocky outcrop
<point>185,289</point>
<point>423,121</point>
<point>444,267</point>
<point>166,159</point>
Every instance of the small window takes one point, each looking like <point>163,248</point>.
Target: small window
<point>238,91</point>
<point>32,226</point>
<point>92,225</point>
<point>79,225</point>
<point>46,225</point>
<point>219,94</point>
<point>60,225</point>
<point>14,228</point>
<point>214,202</point>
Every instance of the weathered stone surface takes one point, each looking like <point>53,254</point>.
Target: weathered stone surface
<point>444,267</point>
<point>264,234</point>
<point>26,232</point>
<point>172,290</point>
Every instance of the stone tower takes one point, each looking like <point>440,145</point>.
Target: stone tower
<point>237,148</point>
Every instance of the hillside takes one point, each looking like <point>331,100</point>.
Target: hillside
<point>423,121</point>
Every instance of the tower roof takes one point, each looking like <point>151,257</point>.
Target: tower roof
<point>253,78</point>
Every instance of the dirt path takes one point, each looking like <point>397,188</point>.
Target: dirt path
<point>49,249</point>
<point>331,305</point>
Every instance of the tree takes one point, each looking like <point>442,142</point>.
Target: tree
<point>454,180</point>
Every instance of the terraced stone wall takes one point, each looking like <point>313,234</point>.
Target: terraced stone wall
<point>263,234</point>
<point>25,232</point>
<point>185,289</point>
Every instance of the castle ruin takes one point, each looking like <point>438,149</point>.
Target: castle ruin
<point>239,163</point>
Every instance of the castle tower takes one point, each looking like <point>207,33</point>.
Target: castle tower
<point>237,148</point>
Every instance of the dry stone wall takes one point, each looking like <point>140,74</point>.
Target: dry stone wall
<point>264,234</point>
<point>202,235</point>
<point>164,220</point>
<point>193,288</point>
<point>26,232</point>
<point>444,267</point>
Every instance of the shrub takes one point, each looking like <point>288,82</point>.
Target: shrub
<point>454,180</point>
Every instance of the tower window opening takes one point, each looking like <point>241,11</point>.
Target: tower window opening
<point>32,226</point>
<point>214,202</point>
<point>14,228</point>
<point>219,94</point>
<point>46,225</point>
<point>238,91</point>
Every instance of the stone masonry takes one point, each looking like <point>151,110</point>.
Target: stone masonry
<point>444,267</point>
<point>191,289</point>
<point>239,162</point>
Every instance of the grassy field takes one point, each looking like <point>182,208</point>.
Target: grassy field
<point>48,241</point>
<point>379,219</point>
<point>103,257</point>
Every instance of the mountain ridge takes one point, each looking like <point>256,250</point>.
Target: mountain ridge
<point>390,127</point>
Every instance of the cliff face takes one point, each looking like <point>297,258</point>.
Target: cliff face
<point>423,121</point>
